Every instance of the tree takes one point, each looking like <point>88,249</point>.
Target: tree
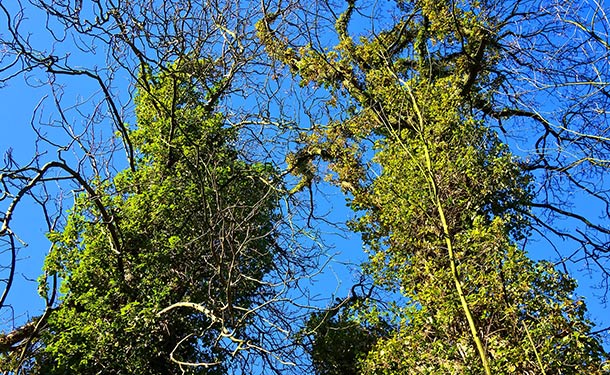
<point>338,338</point>
<point>181,259</point>
<point>444,216</point>
<point>193,225</point>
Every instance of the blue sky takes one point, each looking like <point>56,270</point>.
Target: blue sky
<point>18,103</point>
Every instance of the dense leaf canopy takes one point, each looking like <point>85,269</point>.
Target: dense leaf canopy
<point>194,254</point>
<point>193,223</point>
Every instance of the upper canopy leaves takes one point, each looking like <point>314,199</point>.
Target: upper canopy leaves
<point>196,224</point>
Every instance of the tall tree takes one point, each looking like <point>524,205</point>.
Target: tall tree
<point>444,216</point>
<point>193,228</point>
<point>213,257</point>
<point>177,263</point>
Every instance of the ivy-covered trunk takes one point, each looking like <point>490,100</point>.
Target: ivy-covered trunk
<point>195,230</point>
<point>444,219</point>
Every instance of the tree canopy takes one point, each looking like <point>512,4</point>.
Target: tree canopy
<point>458,132</point>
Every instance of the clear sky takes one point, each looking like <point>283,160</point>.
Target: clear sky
<point>17,105</point>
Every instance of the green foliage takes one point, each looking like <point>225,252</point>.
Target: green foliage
<point>443,215</point>
<point>196,224</point>
<point>337,341</point>
<point>443,219</point>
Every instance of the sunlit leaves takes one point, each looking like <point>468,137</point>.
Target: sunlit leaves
<point>444,212</point>
<point>196,223</point>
